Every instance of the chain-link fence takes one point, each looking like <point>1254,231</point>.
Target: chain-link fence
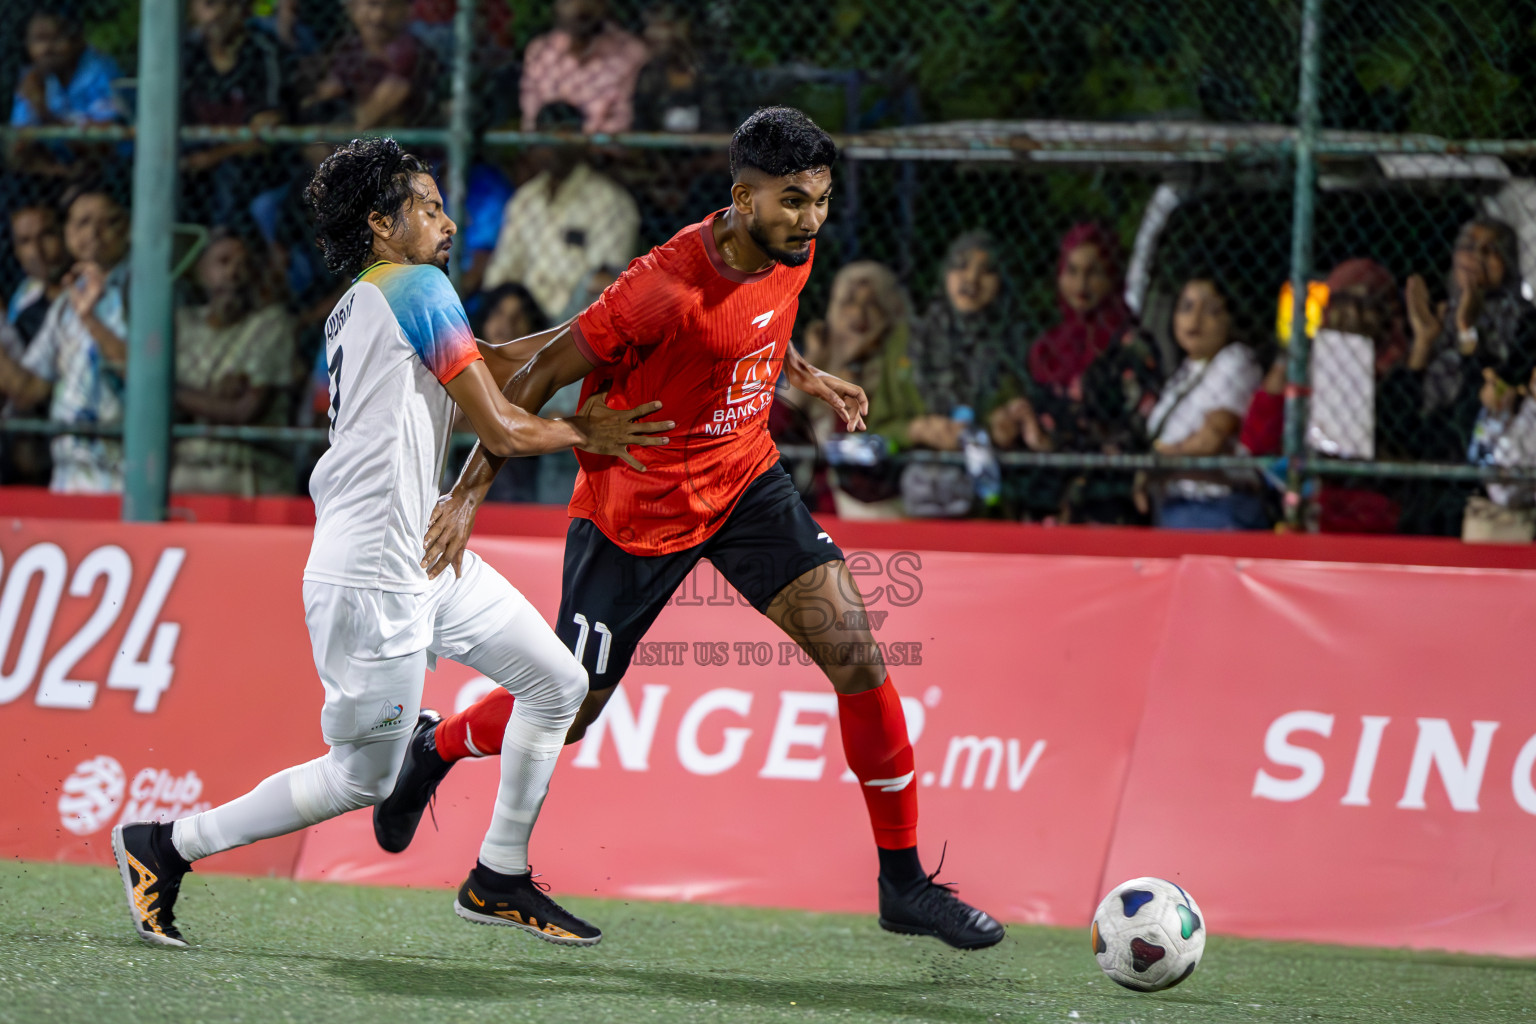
<point>1061,255</point>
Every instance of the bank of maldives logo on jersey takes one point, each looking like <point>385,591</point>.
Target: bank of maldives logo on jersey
<point>753,372</point>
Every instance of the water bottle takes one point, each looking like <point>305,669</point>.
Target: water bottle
<point>980,461</point>
<point>855,450</point>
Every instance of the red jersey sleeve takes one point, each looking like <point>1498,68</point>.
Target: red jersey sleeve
<point>644,304</point>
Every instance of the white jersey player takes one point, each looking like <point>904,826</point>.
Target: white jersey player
<point>401,358</point>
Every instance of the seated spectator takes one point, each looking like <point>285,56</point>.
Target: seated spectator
<point>673,93</point>
<point>487,196</point>
<point>1200,413</point>
<point>965,349</point>
<point>1505,435</point>
<point>587,61</point>
<point>564,223</point>
<point>967,360</point>
<point>1486,324</point>
<point>864,339</point>
<point>1093,378</point>
<point>379,74</point>
<point>38,243</point>
<point>293,34</point>
<point>67,83</point>
<point>76,361</point>
<point>1363,299</point>
<point>232,75</point>
<point>235,364</point>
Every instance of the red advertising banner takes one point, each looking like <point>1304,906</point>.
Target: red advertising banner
<point>147,672</point>
<point>1342,753</point>
<point>1318,751</point>
<point>717,774</point>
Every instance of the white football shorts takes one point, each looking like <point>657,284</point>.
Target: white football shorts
<point>373,647</point>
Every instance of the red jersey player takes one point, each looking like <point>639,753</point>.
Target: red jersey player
<point>703,323</point>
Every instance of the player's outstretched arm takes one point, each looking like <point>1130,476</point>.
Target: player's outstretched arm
<point>507,430</point>
<point>846,399</point>
<point>556,363</point>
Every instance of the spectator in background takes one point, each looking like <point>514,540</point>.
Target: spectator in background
<point>66,83</point>
<point>1505,436</point>
<point>508,312</point>
<point>232,74</point>
<point>1200,413</point>
<point>966,350</point>
<point>1486,325</point>
<point>586,61</point>
<point>78,356</point>
<point>38,243</point>
<point>290,30</point>
<point>588,291</point>
<point>486,199</point>
<point>864,339</point>
<point>565,222</point>
<point>1093,378</point>
<point>967,360</point>
<point>673,93</point>
<point>379,74</point>
<point>235,364</point>
<point>1363,299</point>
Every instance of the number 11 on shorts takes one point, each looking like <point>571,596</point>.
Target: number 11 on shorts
<point>603,647</point>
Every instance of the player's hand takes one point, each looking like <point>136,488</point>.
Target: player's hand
<point>453,519</point>
<point>1421,318</point>
<point>846,399</point>
<point>612,431</point>
<point>89,285</point>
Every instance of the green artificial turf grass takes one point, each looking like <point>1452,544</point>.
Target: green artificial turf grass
<point>273,950</point>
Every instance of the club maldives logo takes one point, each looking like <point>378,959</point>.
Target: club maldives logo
<point>92,795</point>
<point>90,798</point>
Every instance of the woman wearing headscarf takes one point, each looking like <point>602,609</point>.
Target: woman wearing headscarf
<point>1363,299</point>
<point>1093,377</point>
<point>1485,325</point>
<point>864,339</point>
<point>965,350</point>
<point>967,360</point>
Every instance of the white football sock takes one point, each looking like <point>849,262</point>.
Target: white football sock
<point>528,757</point>
<point>350,776</point>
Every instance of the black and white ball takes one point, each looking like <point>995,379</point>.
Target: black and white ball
<point>1148,934</point>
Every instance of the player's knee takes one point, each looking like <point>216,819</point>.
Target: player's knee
<point>855,678</point>
<point>570,690</point>
<point>365,776</point>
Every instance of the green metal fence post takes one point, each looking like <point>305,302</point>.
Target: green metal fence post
<point>147,418</point>
<point>459,128</point>
<point>1297,375</point>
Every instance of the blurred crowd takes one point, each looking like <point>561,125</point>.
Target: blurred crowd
<point>1436,367</point>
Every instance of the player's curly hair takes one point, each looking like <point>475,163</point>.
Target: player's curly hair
<point>780,141</point>
<point>365,176</point>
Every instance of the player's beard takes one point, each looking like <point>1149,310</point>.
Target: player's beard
<point>788,257</point>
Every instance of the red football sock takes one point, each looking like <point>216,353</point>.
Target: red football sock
<point>476,731</point>
<point>875,742</point>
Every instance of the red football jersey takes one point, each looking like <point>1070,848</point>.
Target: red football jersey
<point>682,326</point>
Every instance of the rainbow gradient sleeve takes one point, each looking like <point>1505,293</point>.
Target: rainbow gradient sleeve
<point>430,315</point>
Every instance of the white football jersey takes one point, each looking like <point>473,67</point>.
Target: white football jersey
<point>392,342</point>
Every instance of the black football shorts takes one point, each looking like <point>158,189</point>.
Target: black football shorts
<point>609,597</point>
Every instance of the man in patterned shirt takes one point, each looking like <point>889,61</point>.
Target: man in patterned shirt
<point>586,61</point>
<point>76,361</point>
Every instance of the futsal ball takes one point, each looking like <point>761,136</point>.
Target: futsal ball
<point>1148,934</point>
